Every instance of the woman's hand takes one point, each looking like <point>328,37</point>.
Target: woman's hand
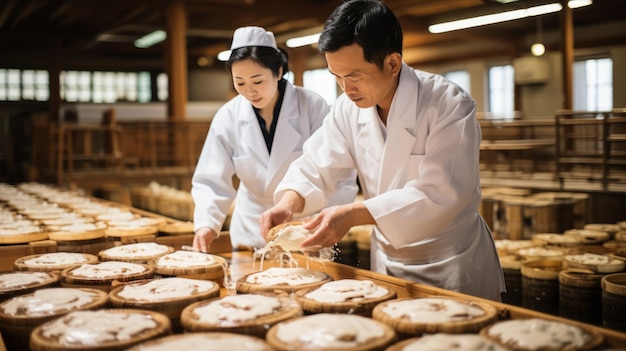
<point>273,217</point>
<point>203,239</point>
<point>291,202</point>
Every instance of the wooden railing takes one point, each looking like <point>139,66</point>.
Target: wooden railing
<point>591,146</point>
<point>90,153</point>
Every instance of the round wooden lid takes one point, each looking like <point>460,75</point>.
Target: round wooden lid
<point>80,231</point>
<point>614,283</point>
<point>168,295</point>
<point>331,331</point>
<point>542,269</point>
<point>22,235</point>
<point>250,314</point>
<point>32,309</point>
<point>199,341</point>
<point>541,334</point>
<point>52,261</point>
<point>589,237</point>
<point>344,296</point>
<point>605,227</point>
<point>137,252</point>
<point>448,342</point>
<point>135,226</point>
<point>558,239</point>
<point>512,262</point>
<point>541,252</point>
<point>176,228</point>
<point>595,262</point>
<point>19,283</point>
<point>101,275</point>
<point>103,329</point>
<point>287,280</point>
<point>185,263</point>
<point>439,314</point>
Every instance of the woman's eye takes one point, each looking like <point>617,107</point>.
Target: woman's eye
<point>257,83</point>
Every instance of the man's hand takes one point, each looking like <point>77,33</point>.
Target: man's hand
<point>333,223</point>
<point>203,239</point>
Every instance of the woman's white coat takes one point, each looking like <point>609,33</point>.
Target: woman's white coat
<point>235,146</point>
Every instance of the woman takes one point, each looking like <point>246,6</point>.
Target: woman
<point>255,136</point>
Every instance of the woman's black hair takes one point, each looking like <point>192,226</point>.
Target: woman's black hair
<point>263,55</point>
<point>369,23</point>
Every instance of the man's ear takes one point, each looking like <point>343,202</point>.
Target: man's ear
<point>394,63</point>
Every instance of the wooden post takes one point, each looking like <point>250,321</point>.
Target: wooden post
<point>176,23</point>
<point>567,50</point>
<point>176,46</point>
<point>297,64</point>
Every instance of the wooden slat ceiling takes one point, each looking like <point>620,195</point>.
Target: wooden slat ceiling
<point>101,33</point>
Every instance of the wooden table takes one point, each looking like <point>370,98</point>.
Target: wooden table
<point>242,263</point>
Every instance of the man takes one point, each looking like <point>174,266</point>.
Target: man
<point>414,140</point>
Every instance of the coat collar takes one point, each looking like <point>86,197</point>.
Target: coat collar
<point>395,151</point>
<point>287,135</point>
<point>400,135</point>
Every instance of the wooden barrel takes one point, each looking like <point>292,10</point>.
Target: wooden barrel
<point>542,216</point>
<point>362,235</point>
<point>511,267</point>
<point>540,285</point>
<point>514,287</point>
<point>580,295</point>
<point>569,208</point>
<point>487,208</point>
<point>614,301</point>
<point>611,229</point>
<point>512,223</point>
<point>499,196</point>
<point>346,251</point>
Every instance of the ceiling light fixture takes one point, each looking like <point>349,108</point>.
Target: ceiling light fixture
<point>538,49</point>
<point>151,39</point>
<point>303,41</point>
<point>503,16</point>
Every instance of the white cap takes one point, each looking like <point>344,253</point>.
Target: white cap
<point>252,36</point>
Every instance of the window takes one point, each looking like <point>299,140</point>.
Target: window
<point>593,84</point>
<point>109,87</point>
<point>16,85</point>
<point>461,78</point>
<point>76,86</point>
<point>162,87</point>
<point>501,91</point>
<point>322,82</point>
<point>35,85</point>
